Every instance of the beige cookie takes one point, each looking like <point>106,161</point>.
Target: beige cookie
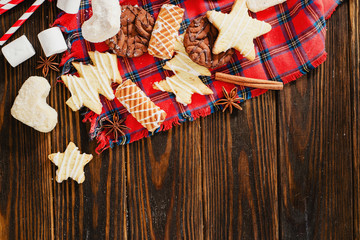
<point>183,85</point>
<point>166,29</point>
<point>104,22</point>
<point>237,30</point>
<point>70,163</point>
<point>260,5</point>
<point>182,63</point>
<point>30,105</point>
<point>108,64</point>
<point>94,80</point>
<point>82,94</point>
<point>185,81</point>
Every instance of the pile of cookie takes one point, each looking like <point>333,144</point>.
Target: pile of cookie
<point>209,42</point>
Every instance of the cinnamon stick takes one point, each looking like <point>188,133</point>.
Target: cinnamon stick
<point>262,86</point>
<point>249,82</point>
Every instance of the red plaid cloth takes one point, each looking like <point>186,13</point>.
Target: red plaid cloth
<point>295,45</point>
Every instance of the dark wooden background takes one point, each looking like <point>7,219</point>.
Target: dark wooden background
<point>287,167</point>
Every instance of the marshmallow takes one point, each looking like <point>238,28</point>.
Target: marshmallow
<point>69,6</point>
<point>18,51</point>
<point>30,105</point>
<point>105,21</point>
<point>52,41</point>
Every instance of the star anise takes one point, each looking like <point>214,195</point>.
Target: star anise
<point>115,126</point>
<point>230,100</point>
<point>46,64</point>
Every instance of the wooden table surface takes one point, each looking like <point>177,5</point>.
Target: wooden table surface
<point>287,167</point>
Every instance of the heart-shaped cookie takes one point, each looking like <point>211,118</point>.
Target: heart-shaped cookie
<point>30,105</point>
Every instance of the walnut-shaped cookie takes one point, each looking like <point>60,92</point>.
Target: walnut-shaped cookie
<point>133,38</point>
<point>186,80</point>
<point>199,40</point>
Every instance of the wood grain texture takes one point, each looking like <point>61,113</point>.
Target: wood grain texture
<point>164,185</point>
<point>239,154</point>
<point>26,192</point>
<point>287,167</point>
<point>34,206</point>
<point>315,145</point>
<point>354,18</point>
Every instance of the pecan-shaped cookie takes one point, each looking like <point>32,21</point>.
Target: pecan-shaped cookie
<point>133,38</point>
<point>199,40</point>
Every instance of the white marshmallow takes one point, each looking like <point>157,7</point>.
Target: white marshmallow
<point>52,41</point>
<point>260,5</point>
<point>69,6</point>
<point>105,21</point>
<point>30,105</point>
<point>18,51</point>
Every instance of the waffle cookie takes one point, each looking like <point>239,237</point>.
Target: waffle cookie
<point>140,106</point>
<point>166,29</point>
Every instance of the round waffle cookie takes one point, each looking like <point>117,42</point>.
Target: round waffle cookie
<point>199,41</point>
<point>133,38</point>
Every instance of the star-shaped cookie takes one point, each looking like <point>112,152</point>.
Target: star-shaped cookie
<point>186,80</point>
<point>237,30</point>
<point>70,163</point>
<point>94,80</point>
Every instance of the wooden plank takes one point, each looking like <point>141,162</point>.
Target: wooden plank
<point>97,208</point>
<point>164,185</point>
<point>26,209</point>
<point>239,165</point>
<point>315,145</point>
<point>213,179</point>
<point>33,205</point>
<point>354,10</point>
